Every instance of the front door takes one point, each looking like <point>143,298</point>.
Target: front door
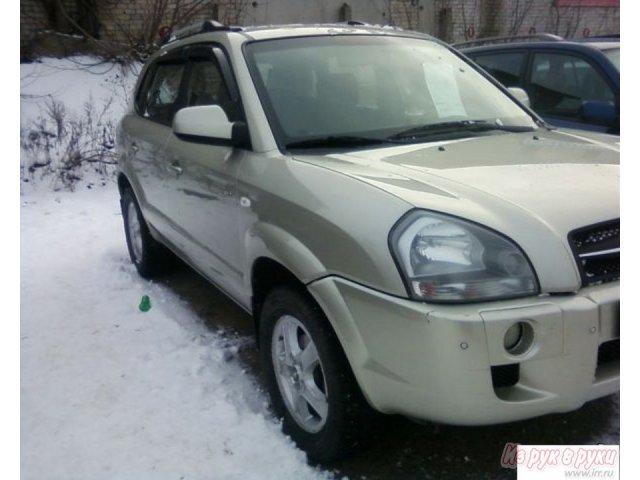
<point>149,127</point>
<point>203,178</point>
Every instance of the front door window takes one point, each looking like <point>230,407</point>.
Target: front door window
<point>560,83</point>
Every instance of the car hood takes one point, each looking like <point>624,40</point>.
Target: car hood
<point>525,185</point>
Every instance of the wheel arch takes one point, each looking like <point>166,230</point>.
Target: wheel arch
<point>123,183</point>
<point>267,274</point>
<point>130,182</point>
<point>277,258</point>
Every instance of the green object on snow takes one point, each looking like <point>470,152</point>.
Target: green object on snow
<point>145,304</point>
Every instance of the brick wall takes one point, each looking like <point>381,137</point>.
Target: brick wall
<point>136,21</point>
<point>458,20</point>
<point>130,21</point>
<point>570,22</point>
<point>405,14</point>
<point>34,19</point>
<point>118,22</point>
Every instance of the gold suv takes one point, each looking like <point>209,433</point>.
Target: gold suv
<point>408,236</point>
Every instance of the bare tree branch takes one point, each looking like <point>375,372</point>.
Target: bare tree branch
<point>521,11</point>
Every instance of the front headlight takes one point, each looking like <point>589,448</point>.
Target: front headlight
<point>446,259</point>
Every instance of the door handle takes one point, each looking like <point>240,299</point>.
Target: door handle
<point>175,166</point>
<point>134,146</point>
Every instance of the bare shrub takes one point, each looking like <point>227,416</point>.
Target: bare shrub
<point>65,146</point>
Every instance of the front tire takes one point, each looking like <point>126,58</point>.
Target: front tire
<point>309,378</point>
<point>147,254</point>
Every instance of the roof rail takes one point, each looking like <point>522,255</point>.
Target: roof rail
<point>196,28</point>
<point>549,37</point>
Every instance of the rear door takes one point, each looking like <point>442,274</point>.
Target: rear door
<point>148,129</point>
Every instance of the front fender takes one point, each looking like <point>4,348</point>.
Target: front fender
<point>265,240</point>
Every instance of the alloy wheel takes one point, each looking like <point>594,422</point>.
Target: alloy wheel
<point>299,373</point>
<point>135,232</point>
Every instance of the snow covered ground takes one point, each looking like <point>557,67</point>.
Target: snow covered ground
<point>108,391</point>
<point>111,392</point>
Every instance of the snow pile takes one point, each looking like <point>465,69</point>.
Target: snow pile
<point>108,391</point>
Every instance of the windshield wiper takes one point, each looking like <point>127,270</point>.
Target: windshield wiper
<point>338,141</point>
<point>458,126</point>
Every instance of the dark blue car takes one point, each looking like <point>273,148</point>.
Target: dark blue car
<point>570,83</point>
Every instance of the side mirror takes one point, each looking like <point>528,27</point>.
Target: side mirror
<point>520,95</point>
<point>598,112</point>
<point>209,123</point>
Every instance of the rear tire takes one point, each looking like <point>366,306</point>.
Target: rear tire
<point>309,378</point>
<point>149,256</point>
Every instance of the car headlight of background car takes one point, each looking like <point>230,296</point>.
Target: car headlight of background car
<point>446,259</point>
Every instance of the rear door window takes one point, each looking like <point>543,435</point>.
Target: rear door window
<point>159,98</point>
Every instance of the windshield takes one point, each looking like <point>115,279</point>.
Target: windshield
<point>374,88</point>
<point>613,54</point>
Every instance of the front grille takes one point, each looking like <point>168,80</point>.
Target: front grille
<point>597,251</point>
<point>505,375</point>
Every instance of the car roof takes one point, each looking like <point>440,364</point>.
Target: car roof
<point>300,30</point>
<point>560,44</point>
<point>593,49</point>
<point>268,32</point>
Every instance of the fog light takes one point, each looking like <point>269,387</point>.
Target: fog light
<point>518,338</point>
<point>513,336</point>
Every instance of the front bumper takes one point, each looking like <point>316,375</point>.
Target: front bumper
<point>434,362</point>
